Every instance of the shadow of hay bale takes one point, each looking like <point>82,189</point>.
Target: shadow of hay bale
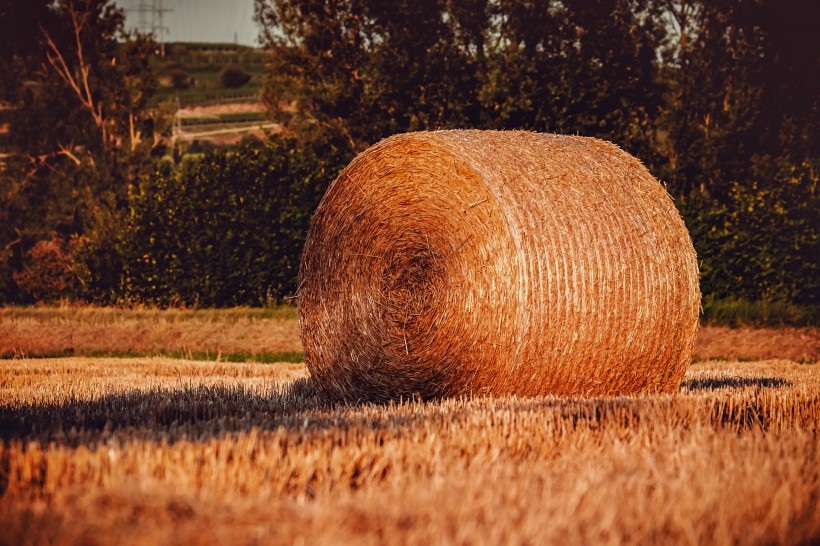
<point>716,383</point>
<point>482,262</point>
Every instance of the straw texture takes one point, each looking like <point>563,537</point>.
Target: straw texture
<point>485,262</point>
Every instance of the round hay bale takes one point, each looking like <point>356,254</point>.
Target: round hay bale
<point>485,262</point>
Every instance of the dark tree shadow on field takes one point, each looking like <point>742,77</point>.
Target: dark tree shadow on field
<point>715,383</point>
<point>166,414</point>
<point>201,413</point>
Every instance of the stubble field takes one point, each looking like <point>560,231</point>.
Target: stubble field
<point>151,450</point>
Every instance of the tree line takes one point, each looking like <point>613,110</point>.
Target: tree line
<point>718,98</point>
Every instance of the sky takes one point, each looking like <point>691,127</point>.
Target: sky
<point>198,20</point>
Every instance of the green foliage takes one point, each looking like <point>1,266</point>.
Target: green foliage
<point>180,79</point>
<point>742,94</point>
<point>763,243</point>
<point>233,77</point>
<point>741,121</point>
<point>718,98</point>
<point>575,67</point>
<point>204,63</point>
<point>353,72</point>
<point>356,71</point>
<point>79,130</point>
<point>55,272</point>
<point>226,230</point>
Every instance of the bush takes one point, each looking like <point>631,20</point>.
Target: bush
<point>763,241</point>
<point>180,79</point>
<point>54,271</point>
<point>233,77</point>
<point>226,230</point>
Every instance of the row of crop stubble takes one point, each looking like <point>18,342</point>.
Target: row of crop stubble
<point>151,451</point>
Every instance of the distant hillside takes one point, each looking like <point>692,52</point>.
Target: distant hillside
<point>215,90</point>
<point>192,73</point>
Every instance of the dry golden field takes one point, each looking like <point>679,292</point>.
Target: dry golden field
<point>48,331</point>
<point>94,331</point>
<point>156,450</point>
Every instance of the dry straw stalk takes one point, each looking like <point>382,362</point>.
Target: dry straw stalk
<point>484,262</point>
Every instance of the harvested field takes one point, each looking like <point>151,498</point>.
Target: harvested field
<point>86,331</point>
<point>146,451</point>
<point>91,330</point>
<point>800,344</point>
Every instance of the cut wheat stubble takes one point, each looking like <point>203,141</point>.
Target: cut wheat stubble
<point>482,262</point>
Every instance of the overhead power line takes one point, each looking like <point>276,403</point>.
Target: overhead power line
<point>151,20</point>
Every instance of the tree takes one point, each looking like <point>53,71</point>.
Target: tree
<point>354,71</point>
<point>718,97</point>
<point>233,77</point>
<point>741,125</point>
<point>80,131</point>
<point>741,89</point>
<point>583,67</point>
<point>180,79</point>
<point>360,70</point>
<point>54,272</point>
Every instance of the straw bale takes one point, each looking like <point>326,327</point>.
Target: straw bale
<point>484,262</point>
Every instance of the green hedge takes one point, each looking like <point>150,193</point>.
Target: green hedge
<point>226,230</point>
<point>762,242</point>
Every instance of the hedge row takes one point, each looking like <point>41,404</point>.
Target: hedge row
<point>228,230</point>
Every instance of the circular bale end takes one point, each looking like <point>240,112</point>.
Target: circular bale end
<point>483,262</point>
